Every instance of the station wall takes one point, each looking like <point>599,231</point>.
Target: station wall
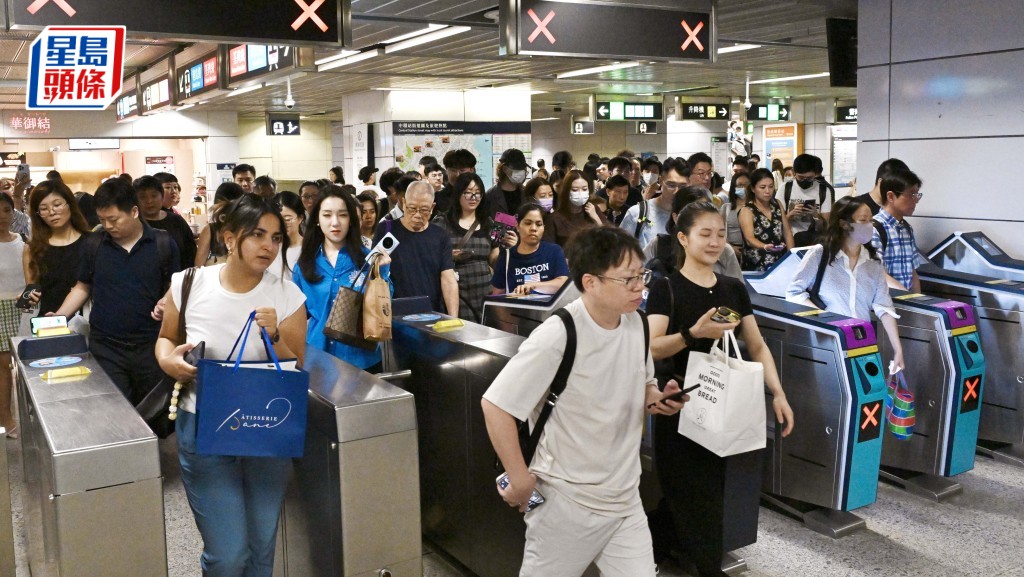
<point>551,136</point>
<point>287,159</point>
<point>939,87</point>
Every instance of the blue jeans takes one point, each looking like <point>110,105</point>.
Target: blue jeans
<point>236,502</point>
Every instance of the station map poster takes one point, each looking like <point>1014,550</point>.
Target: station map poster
<point>844,156</point>
<point>781,141</point>
<point>486,140</point>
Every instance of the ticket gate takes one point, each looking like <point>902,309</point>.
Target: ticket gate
<point>519,315</point>
<point>832,374</point>
<point>774,281</point>
<point>90,462</point>
<point>999,314</point>
<point>976,253</point>
<point>946,373</point>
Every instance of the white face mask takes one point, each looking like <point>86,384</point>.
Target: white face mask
<point>650,178</point>
<point>578,198</point>
<point>518,176</point>
<point>862,232</point>
<point>740,192</point>
<point>787,179</point>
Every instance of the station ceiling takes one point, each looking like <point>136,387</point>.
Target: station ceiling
<point>791,34</point>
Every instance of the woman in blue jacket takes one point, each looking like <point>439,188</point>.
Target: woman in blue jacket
<point>332,257</point>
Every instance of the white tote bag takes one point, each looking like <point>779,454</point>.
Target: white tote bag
<point>726,415</point>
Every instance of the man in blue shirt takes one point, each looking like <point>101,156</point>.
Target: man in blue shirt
<point>894,237</point>
<point>126,269</point>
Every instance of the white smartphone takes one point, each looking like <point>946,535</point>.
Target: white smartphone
<point>388,243</point>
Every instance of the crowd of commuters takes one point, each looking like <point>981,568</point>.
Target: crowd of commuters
<point>614,228</point>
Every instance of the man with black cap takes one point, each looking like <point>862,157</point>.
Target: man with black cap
<point>368,176</point>
<point>507,195</point>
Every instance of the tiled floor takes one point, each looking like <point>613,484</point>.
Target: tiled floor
<point>979,533</point>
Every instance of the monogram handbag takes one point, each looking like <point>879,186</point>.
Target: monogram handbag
<point>344,324</point>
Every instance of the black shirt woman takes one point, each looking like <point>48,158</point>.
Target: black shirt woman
<point>766,232</point>
<point>699,485</point>
<point>52,256</point>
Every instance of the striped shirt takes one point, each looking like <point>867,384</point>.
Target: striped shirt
<point>900,252</point>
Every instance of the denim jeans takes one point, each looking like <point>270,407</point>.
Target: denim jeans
<point>236,502</point>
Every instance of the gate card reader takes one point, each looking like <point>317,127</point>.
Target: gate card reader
<point>519,315</point>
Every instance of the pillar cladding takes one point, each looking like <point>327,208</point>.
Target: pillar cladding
<point>935,89</point>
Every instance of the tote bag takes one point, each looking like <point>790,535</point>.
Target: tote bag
<point>726,415</point>
<point>251,409</point>
<point>377,307</point>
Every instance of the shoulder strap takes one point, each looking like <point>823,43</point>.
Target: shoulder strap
<point>647,335</point>
<point>92,248</point>
<point>815,291</point>
<point>883,236</point>
<point>186,290</point>
<point>787,193</point>
<point>641,216</point>
<point>163,248</point>
<point>465,237</point>
<point>557,384</point>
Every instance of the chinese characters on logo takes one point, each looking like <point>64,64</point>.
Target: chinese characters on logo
<point>77,68</point>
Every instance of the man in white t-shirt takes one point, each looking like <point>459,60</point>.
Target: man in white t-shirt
<point>587,463</point>
<point>806,200</point>
<point>368,176</point>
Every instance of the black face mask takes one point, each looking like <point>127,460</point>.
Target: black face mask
<point>805,183</point>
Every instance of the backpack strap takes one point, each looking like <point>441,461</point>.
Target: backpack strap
<point>883,236</point>
<point>91,248</point>
<point>815,291</point>
<point>641,219</point>
<point>163,248</point>
<point>647,335</point>
<point>787,193</point>
<point>186,290</point>
<point>558,384</point>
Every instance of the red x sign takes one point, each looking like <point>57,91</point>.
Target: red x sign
<point>869,415</point>
<point>308,13</point>
<point>971,388</point>
<point>692,35</point>
<point>542,26</point>
<point>35,6</point>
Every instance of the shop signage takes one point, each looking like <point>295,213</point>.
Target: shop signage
<point>314,22</point>
<point>75,68</point>
<point>685,32</point>
<point>27,122</point>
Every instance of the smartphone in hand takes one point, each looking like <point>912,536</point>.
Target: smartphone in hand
<point>677,396</point>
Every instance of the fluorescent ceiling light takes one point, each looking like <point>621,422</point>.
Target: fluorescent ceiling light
<point>333,57</point>
<point>351,59</point>
<point>548,118</point>
<point>644,94</point>
<point>738,48</point>
<point>789,78</point>
<point>415,33</point>
<point>426,38</point>
<point>598,69</point>
<point>238,91</point>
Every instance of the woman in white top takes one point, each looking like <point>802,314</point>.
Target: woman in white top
<point>12,281</point>
<point>854,280</point>
<point>294,214</point>
<point>235,500</point>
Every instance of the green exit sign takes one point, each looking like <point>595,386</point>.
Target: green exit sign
<point>629,111</point>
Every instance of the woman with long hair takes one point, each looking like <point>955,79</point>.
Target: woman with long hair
<point>853,270</point>
<point>575,211</point>
<point>51,258</point>
<point>766,232</point>
<point>332,257</point>
<point>293,212</point>
<point>739,191</point>
<point>210,249</point>
<point>235,500</point>
<point>534,265</point>
<point>473,250</point>
<point>12,281</point>
<point>698,484</point>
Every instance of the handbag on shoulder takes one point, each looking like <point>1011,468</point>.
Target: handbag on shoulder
<point>345,322</point>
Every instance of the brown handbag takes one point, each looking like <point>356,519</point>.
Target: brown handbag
<point>377,307</point>
<point>344,324</point>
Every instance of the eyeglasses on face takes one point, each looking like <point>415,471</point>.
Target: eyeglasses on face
<point>633,282</point>
<point>54,208</point>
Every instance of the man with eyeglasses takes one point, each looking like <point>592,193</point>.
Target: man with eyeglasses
<point>894,237</point>
<point>244,175</point>
<point>587,462</point>
<point>309,193</point>
<point>646,220</point>
<point>701,169</point>
<point>422,263</point>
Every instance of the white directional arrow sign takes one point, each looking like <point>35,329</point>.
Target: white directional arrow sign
<point>783,112</point>
<point>602,111</point>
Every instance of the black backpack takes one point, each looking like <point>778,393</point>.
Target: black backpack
<point>883,236</point>
<point>641,219</point>
<point>825,190</point>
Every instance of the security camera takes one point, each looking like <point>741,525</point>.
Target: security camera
<point>289,103</point>
<point>747,104</point>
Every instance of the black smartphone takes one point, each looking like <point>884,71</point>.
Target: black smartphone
<point>24,301</point>
<point>725,315</point>
<point>196,354</point>
<point>811,203</point>
<point>676,396</point>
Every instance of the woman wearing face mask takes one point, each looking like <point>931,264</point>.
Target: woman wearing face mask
<point>538,191</point>
<point>854,280</point>
<point>534,265</point>
<point>766,232</point>
<point>704,492</point>
<point>507,195</point>
<point>731,211</point>
<point>473,251</point>
<point>574,210</point>
<point>331,257</point>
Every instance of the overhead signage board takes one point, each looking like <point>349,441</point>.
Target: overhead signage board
<point>128,104</point>
<point>313,22</point>
<point>279,124</point>
<point>458,127</point>
<point>646,127</point>
<point>246,61</point>
<point>578,127</point>
<point>94,143</point>
<point>846,113</point>
<point>692,111</point>
<point>619,30</point>
<point>156,95</point>
<point>75,68</point>
<point>198,77</point>
<point>769,112</point>
<point>629,111</point>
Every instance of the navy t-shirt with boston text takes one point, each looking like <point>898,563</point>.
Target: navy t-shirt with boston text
<point>544,264</point>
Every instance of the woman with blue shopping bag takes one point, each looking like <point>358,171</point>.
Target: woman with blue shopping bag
<point>236,500</point>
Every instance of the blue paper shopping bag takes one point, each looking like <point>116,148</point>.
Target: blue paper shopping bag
<point>253,408</point>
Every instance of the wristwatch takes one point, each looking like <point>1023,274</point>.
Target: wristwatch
<point>276,336</point>
<point>688,337</point>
